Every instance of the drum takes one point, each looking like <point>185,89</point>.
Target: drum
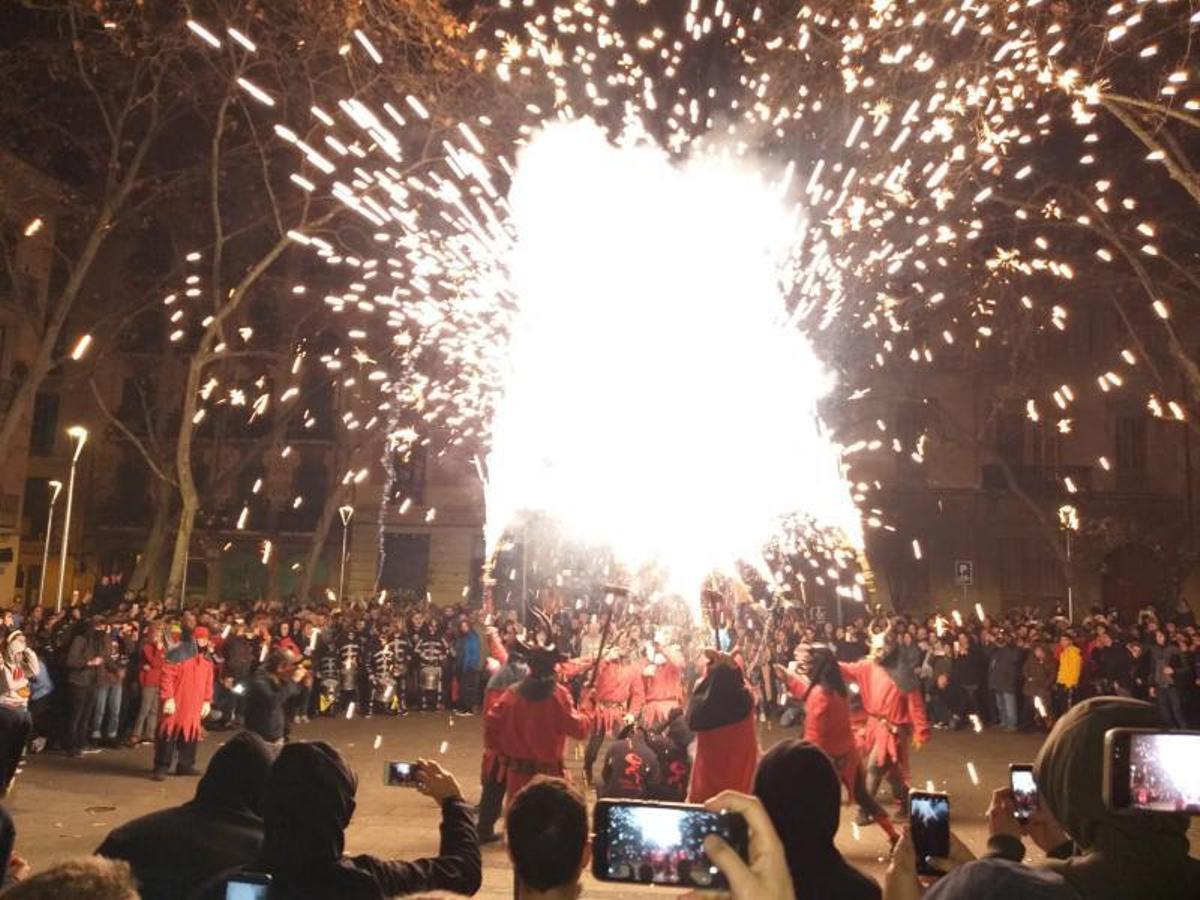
<point>431,678</point>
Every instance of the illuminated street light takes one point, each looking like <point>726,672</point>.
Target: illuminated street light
<point>79,436</point>
<point>57,485</point>
<point>1068,518</point>
<point>347,513</point>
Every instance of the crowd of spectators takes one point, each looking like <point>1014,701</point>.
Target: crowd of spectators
<point>88,679</point>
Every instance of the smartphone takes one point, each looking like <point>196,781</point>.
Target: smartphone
<point>639,842</point>
<point>248,886</point>
<point>1024,791</point>
<point>929,822</point>
<point>1151,770</point>
<point>400,774</point>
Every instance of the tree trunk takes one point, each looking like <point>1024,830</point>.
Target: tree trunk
<point>156,541</point>
<point>320,536</point>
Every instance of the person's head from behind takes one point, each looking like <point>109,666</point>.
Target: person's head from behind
<point>280,664</point>
<point>307,804</point>
<point>237,774</point>
<point>547,828</point>
<point>92,877</point>
<point>1069,770</point>
<point>799,787</point>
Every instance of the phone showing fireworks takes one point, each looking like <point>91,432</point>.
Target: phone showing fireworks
<point>662,843</point>
<point>929,815</point>
<point>1024,791</point>
<point>1152,771</point>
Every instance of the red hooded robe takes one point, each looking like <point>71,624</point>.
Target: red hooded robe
<point>887,708</point>
<point>722,716</point>
<point>188,680</point>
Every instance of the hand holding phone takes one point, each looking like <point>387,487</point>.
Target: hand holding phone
<point>766,875</point>
<point>400,774</point>
<point>1152,771</point>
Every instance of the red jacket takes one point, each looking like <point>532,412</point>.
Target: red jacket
<point>151,658</point>
<point>528,726</point>
<point>887,708</point>
<point>827,724</point>
<point>190,684</point>
<point>726,758</point>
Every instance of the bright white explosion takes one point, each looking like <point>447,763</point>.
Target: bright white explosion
<point>656,398</point>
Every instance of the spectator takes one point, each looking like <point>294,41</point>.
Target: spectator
<point>17,665</point>
<point>1165,662</point>
<point>270,691</point>
<point>1038,673</point>
<point>89,877</point>
<point>547,828</point>
<point>85,655</point>
<point>151,656</point>
<point>799,787</point>
<point>1070,667</point>
<point>307,805</point>
<point>174,851</point>
<point>468,658</point>
<point>1004,668</point>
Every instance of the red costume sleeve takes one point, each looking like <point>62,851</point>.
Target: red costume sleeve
<point>170,678</point>
<point>496,648</point>
<point>208,682</point>
<point>797,685</point>
<point>572,722</point>
<point>855,671</point>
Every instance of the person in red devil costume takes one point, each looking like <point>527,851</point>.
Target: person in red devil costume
<point>663,675</point>
<point>493,778</point>
<point>891,698</point>
<point>615,700</point>
<point>721,715</point>
<point>529,725</point>
<point>819,685</point>
<point>185,695</point>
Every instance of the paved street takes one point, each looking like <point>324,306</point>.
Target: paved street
<point>64,807</point>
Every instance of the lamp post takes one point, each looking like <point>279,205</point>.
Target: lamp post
<point>79,436</point>
<point>1068,517</point>
<point>347,513</point>
<point>57,485</point>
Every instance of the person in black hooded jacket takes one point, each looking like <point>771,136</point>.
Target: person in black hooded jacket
<point>307,806</point>
<point>174,851</point>
<point>798,784</point>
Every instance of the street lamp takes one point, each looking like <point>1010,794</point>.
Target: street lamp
<point>1068,518</point>
<point>347,513</point>
<point>79,435</point>
<point>57,485</point>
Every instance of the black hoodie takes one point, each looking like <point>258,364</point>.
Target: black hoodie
<point>308,804</point>
<point>174,851</point>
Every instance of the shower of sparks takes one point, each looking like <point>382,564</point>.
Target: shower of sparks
<point>653,292</point>
<point>650,327</point>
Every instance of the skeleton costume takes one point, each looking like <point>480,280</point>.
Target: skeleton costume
<point>431,658</point>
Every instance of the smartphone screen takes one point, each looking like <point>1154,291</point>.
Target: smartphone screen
<point>1153,771</point>
<point>250,887</point>
<point>660,843</point>
<point>929,814</point>
<point>400,774</point>
<point>1024,790</point>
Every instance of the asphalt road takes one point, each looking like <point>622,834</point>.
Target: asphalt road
<point>64,807</point>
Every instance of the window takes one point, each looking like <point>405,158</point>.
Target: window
<point>36,509</point>
<point>405,569</point>
<point>1010,438</point>
<point>1131,443</point>
<point>45,425</point>
<point>408,469</point>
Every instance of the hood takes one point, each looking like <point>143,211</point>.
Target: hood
<point>307,804</point>
<point>819,665</point>
<point>900,665</point>
<point>536,688</point>
<point>1124,856</point>
<point>237,775</point>
<point>799,787</point>
<point>720,699</point>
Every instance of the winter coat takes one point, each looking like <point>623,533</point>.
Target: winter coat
<point>1038,676</point>
<point>1004,668</point>
<point>174,851</point>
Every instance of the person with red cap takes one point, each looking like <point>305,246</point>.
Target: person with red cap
<point>185,696</point>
